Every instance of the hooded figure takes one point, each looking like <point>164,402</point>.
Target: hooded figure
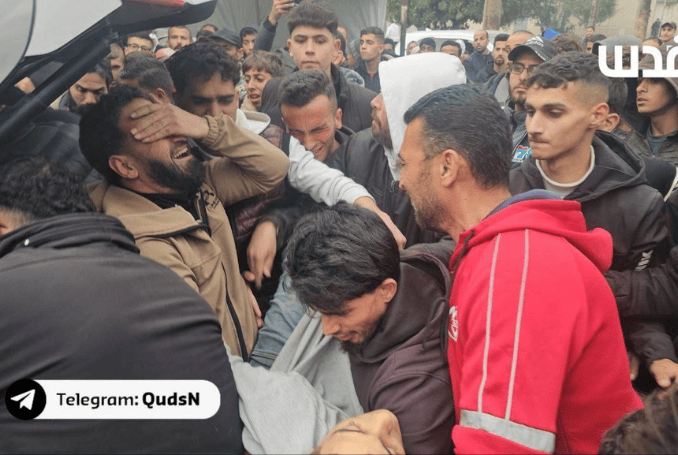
<point>402,84</point>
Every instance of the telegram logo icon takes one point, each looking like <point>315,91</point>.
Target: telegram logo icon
<point>25,399</point>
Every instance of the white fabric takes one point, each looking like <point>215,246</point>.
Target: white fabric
<point>404,80</point>
<point>307,174</point>
<point>563,189</point>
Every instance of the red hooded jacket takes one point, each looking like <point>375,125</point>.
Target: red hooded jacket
<point>535,347</point>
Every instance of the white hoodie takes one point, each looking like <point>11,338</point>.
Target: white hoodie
<point>307,174</point>
<point>406,79</point>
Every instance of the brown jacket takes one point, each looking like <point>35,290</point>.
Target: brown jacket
<point>172,237</point>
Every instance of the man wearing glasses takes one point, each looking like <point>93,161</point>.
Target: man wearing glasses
<point>138,42</point>
<point>524,60</point>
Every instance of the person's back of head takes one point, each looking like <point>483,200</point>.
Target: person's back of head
<point>339,254</point>
<point>100,134</point>
<point>314,14</point>
<point>449,115</point>
<point>566,42</point>
<point>651,430</point>
<point>32,189</point>
<point>198,63</point>
<point>149,74</point>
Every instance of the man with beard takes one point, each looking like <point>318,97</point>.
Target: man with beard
<point>480,58</point>
<point>174,204</point>
<point>87,90</point>
<point>535,341</point>
<point>386,309</point>
<point>499,63</point>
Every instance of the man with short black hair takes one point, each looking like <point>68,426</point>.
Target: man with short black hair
<point>521,352</point>
<point>138,42</point>
<point>313,45</point>
<point>148,74</point>
<point>247,36</point>
<point>482,57</point>
<point>79,303</point>
<point>172,202</point>
<point>499,63</point>
<point>178,36</point>
<point>386,312</point>
<point>371,48</point>
<point>451,47</point>
<point>566,101</point>
<point>87,90</point>
<point>427,45</point>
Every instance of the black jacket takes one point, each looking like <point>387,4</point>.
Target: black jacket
<point>78,302</point>
<point>403,367</point>
<point>617,198</point>
<point>353,100</point>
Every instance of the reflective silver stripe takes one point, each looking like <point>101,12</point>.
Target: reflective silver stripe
<point>488,321</point>
<point>532,438</point>
<point>516,339</point>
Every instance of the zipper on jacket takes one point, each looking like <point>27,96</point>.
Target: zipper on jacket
<point>238,329</point>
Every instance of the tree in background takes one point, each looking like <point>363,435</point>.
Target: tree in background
<point>555,14</point>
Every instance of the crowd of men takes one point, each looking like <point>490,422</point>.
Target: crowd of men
<point>464,250</point>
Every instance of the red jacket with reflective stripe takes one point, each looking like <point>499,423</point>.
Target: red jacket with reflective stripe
<point>536,354</point>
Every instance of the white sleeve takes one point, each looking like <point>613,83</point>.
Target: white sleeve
<point>320,181</point>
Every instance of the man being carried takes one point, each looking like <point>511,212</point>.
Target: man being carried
<point>521,351</point>
<point>173,203</point>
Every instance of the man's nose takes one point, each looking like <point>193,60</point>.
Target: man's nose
<point>90,98</point>
<point>330,325</point>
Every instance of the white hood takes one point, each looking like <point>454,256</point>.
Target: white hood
<point>406,79</point>
<point>256,122</point>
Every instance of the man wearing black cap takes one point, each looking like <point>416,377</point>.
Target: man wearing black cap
<point>524,60</point>
<point>232,44</point>
<point>668,31</point>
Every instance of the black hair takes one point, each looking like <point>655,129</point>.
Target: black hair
<point>248,30</point>
<point>501,38</point>
<point>342,41</point>
<point>566,42</point>
<point>301,87</point>
<point>100,135</point>
<point>569,67</point>
<point>313,14</point>
<point>216,29</point>
<point>652,429</point>
<point>376,31</point>
<point>429,41</point>
<point>140,35</point>
<point>199,62</point>
<point>269,62</point>
<point>103,69</point>
<point>617,94</point>
<point>389,41</point>
<point>592,27</point>
<point>35,188</point>
<point>451,117</point>
<point>451,42</point>
<point>202,34</point>
<point>149,73</point>
<point>338,254</point>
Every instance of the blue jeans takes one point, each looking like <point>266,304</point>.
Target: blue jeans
<point>281,319</point>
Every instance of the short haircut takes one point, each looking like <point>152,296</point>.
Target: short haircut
<point>428,41</point>
<point>338,254</point>
<point>248,30</point>
<point>216,29</point>
<point>487,35</point>
<point>570,67</point>
<point>35,188</point>
<point>301,87</point>
<point>169,30</point>
<point>199,62</point>
<point>652,429</point>
<point>313,14</point>
<point>100,135</point>
<point>202,34</point>
<point>103,69</point>
<point>501,38</point>
<point>149,73</point>
<point>451,42</point>
<point>140,35</point>
<point>376,31</point>
<point>451,117</point>
<point>592,27</point>
<point>263,61</point>
<point>655,39</point>
<point>566,42</point>
<point>342,41</point>
<point>523,32</point>
<point>389,41</point>
<point>617,94</point>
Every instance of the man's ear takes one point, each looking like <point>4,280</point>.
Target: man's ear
<point>387,289</point>
<point>450,167</point>
<point>6,223</point>
<point>337,119</point>
<point>289,46</point>
<point>610,123</point>
<point>599,114</point>
<point>162,95</point>
<point>123,166</point>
